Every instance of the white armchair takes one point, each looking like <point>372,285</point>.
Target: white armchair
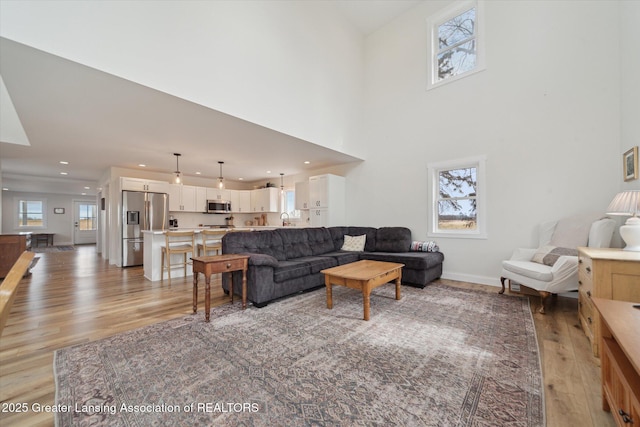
<point>553,267</point>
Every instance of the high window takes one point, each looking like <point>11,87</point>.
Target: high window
<point>31,214</point>
<point>455,43</point>
<point>457,198</point>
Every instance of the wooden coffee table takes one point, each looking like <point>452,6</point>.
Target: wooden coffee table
<point>363,275</point>
<point>209,265</point>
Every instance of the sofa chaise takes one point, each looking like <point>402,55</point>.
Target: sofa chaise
<point>287,261</point>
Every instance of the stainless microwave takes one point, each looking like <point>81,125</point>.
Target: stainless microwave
<point>218,206</point>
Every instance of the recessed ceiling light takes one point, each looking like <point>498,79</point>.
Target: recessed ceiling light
<point>306,162</point>
<point>87,188</point>
<point>64,173</point>
<point>198,173</point>
<point>62,162</point>
<point>142,165</point>
<point>240,179</point>
<point>5,189</point>
<point>268,171</point>
<point>84,194</point>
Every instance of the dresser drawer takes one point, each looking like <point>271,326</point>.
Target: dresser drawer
<point>588,319</point>
<point>585,274</point>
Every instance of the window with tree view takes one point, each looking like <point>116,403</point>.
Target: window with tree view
<point>457,197</point>
<point>455,43</point>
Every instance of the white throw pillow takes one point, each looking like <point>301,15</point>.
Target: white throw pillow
<point>354,243</point>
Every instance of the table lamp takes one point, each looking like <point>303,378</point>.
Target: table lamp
<point>628,203</point>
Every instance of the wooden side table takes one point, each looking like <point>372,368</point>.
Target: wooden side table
<point>209,265</point>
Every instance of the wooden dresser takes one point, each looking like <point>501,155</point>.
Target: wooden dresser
<point>620,360</point>
<point>11,247</point>
<point>605,273</point>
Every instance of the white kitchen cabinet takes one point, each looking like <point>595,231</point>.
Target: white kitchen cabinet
<point>187,198</point>
<point>302,195</point>
<point>240,201</point>
<point>214,193</point>
<point>139,184</point>
<point>264,200</point>
<point>327,197</point>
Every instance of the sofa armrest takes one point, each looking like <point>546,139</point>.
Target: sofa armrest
<point>565,266</point>
<point>262,260</point>
<point>523,254</point>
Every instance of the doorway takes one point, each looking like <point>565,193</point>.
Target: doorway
<point>85,222</point>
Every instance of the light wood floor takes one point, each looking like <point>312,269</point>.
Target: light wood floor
<point>74,297</point>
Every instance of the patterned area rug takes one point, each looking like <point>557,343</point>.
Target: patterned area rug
<point>441,356</point>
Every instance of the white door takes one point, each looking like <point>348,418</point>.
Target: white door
<point>85,222</point>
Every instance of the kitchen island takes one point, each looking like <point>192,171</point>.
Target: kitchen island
<point>155,239</point>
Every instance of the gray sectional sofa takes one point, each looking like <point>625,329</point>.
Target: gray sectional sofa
<point>287,261</point>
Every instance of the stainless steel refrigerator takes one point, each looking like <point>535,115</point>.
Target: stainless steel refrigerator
<point>141,211</point>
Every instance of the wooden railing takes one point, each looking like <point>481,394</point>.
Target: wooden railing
<point>9,286</point>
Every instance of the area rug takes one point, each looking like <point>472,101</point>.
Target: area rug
<point>440,356</point>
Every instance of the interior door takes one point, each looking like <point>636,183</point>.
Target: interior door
<point>85,221</point>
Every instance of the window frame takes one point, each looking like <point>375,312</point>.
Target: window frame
<point>433,49</point>
<point>433,173</point>
<point>18,201</point>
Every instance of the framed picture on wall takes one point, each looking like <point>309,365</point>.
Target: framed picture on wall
<point>630,164</point>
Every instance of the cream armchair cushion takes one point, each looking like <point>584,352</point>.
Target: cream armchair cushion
<point>563,275</point>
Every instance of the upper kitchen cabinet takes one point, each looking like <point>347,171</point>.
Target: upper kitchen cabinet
<point>327,199</point>
<point>326,191</point>
<point>139,184</point>
<point>187,198</point>
<point>217,194</point>
<point>302,195</point>
<point>264,200</point>
<point>240,201</point>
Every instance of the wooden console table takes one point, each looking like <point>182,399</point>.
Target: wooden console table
<point>620,359</point>
<point>209,265</point>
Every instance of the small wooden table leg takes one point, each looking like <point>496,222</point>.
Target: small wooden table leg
<point>244,289</point>
<point>207,297</point>
<point>398,283</point>
<point>231,285</point>
<point>366,299</point>
<point>327,282</point>
<point>195,292</point>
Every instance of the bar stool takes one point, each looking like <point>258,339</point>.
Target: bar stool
<point>211,241</point>
<point>177,242</point>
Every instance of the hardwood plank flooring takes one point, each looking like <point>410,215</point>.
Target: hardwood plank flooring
<point>74,297</point>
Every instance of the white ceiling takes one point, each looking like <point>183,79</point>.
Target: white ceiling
<point>94,120</point>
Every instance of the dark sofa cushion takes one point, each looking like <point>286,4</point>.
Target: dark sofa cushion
<point>412,260</point>
<point>295,242</point>
<point>287,270</point>
<point>343,257</point>
<point>393,239</point>
<point>317,263</point>
<point>370,243</point>
<point>319,240</point>
<point>255,242</point>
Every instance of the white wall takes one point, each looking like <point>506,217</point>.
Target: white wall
<point>545,112</point>
<point>293,66</point>
<point>630,87</point>
<point>59,224</point>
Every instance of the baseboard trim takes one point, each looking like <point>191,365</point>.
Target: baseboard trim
<point>482,280</point>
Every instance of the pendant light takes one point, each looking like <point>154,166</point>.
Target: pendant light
<point>178,177</point>
<point>220,178</point>
<point>281,183</point>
